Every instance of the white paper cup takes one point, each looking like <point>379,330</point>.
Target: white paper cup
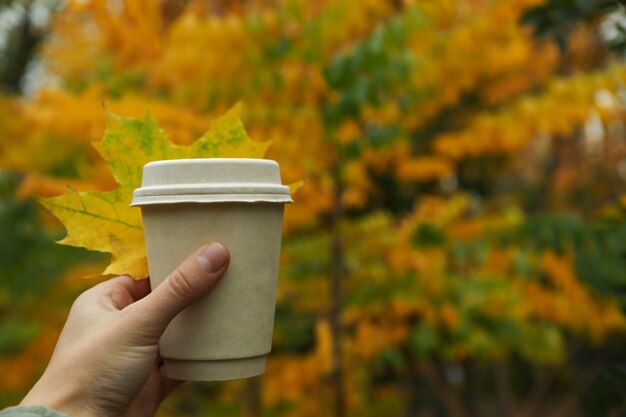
<point>237,202</point>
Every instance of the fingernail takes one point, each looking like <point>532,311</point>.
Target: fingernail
<point>213,257</point>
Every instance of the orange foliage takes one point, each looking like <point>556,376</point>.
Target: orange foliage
<point>21,371</point>
<point>433,260</point>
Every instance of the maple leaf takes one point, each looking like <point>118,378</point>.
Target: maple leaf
<point>104,221</point>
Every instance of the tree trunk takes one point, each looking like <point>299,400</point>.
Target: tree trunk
<point>251,394</point>
<point>336,293</point>
<point>23,42</point>
<point>446,395</point>
<point>471,390</point>
<point>506,396</point>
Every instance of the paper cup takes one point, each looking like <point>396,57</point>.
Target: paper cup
<point>237,202</point>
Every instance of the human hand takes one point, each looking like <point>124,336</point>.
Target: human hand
<point>106,360</point>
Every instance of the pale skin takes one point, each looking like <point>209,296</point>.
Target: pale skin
<point>106,361</point>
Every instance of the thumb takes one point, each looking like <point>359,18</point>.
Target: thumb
<point>191,280</point>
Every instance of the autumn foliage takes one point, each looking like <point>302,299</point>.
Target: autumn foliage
<point>459,246</point>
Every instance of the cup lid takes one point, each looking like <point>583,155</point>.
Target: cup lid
<point>211,180</point>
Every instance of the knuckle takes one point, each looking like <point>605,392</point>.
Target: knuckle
<point>119,298</point>
<point>82,299</point>
<point>179,284</point>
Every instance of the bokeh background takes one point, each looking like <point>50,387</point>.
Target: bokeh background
<point>459,248</point>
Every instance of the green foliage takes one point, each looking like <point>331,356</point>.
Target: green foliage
<point>427,235</point>
<point>423,340</point>
<point>30,260</point>
<point>394,360</point>
<point>371,68</point>
<point>293,332</point>
<point>599,247</point>
<point>420,129</point>
<point>15,334</point>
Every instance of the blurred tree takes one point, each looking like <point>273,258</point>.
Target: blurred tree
<point>461,231</point>
<point>24,27</point>
<point>558,18</point>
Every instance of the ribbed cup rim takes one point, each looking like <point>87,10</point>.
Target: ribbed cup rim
<point>211,180</point>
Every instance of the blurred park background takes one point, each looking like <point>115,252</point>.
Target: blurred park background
<point>459,248</point>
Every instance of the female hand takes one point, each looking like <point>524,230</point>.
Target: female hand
<point>106,360</point>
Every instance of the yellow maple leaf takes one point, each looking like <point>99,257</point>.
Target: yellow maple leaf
<point>104,221</point>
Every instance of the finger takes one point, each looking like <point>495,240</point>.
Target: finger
<point>191,280</point>
<point>147,401</point>
<point>117,293</point>
<point>168,385</point>
<point>137,289</point>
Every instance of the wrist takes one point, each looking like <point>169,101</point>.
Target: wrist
<point>60,397</point>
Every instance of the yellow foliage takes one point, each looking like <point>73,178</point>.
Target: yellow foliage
<point>348,131</point>
<point>292,379</point>
<point>565,104</point>
<point>43,186</point>
<point>401,260</point>
<point>422,169</point>
<point>572,305</point>
<point>467,229</point>
<point>474,51</point>
<point>295,377</point>
<point>373,337</point>
<point>449,316</point>
<point>357,183</point>
<point>186,69</point>
<point>128,35</point>
<point>440,211</point>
